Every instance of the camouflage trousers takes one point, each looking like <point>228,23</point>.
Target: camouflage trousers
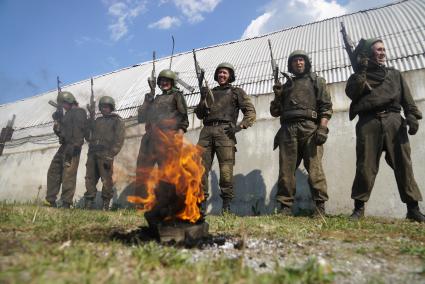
<point>375,134</point>
<point>296,142</point>
<point>216,142</point>
<point>63,171</point>
<point>97,168</point>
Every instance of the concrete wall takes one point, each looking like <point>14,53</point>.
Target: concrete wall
<point>23,170</point>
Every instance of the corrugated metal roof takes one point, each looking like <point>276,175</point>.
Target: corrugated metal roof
<point>400,25</point>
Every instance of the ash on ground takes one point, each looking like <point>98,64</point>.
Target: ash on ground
<point>351,262</point>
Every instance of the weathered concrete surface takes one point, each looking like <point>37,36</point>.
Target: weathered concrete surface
<point>23,169</point>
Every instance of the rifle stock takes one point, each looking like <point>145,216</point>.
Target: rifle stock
<point>184,84</point>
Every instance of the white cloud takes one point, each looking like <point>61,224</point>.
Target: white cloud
<point>257,25</point>
<point>166,23</point>
<point>122,13</point>
<point>194,9</point>
<point>279,14</point>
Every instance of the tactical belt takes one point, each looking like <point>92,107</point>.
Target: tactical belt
<point>97,147</point>
<point>216,122</point>
<point>379,112</point>
<point>299,114</point>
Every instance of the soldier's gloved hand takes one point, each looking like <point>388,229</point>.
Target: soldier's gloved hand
<point>277,89</point>
<point>107,164</point>
<point>363,62</point>
<point>56,115</point>
<point>321,135</point>
<point>204,92</point>
<point>413,123</point>
<point>149,97</point>
<point>68,154</point>
<point>232,130</point>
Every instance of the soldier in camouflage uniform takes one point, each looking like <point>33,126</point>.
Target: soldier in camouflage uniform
<point>304,107</point>
<point>164,113</point>
<point>105,142</point>
<point>378,93</point>
<point>220,126</point>
<point>64,166</point>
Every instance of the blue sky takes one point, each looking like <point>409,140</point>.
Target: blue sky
<point>79,39</point>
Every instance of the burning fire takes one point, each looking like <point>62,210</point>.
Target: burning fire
<point>181,170</point>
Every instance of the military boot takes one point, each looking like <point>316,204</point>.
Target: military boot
<point>285,210</point>
<point>320,208</point>
<point>89,204</point>
<point>414,213</point>
<point>105,204</point>
<point>66,205</point>
<point>226,206</point>
<point>50,204</point>
<point>358,211</point>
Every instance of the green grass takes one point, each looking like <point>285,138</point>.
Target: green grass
<point>75,246</point>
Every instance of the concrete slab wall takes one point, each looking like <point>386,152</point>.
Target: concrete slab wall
<point>23,170</point>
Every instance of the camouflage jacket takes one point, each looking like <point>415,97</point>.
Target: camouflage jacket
<point>166,111</point>
<point>107,135</point>
<point>228,100</point>
<point>392,94</point>
<point>73,127</point>
<point>308,91</point>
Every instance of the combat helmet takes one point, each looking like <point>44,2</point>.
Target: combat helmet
<point>169,74</point>
<point>300,53</point>
<point>227,66</point>
<point>107,100</point>
<point>67,97</point>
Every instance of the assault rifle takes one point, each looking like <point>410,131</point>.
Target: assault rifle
<point>351,51</point>
<point>58,114</point>
<point>274,65</point>
<point>92,106</point>
<point>200,74</point>
<point>275,68</point>
<point>152,78</point>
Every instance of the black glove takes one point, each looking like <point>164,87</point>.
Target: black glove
<point>231,130</point>
<point>277,89</point>
<point>149,97</point>
<point>204,92</point>
<point>362,62</point>
<point>321,135</point>
<point>72,151</point>
<point>68,153</point>
<point>107,163</point>
<point>56,115</point>
<point>413,123</point>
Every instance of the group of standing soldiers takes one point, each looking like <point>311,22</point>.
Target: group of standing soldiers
<point>303,103</point>
<point>105,136</point>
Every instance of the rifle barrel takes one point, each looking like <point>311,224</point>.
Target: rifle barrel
<point>172,53</point>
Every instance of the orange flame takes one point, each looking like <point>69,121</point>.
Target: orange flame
<point>182,168</point>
